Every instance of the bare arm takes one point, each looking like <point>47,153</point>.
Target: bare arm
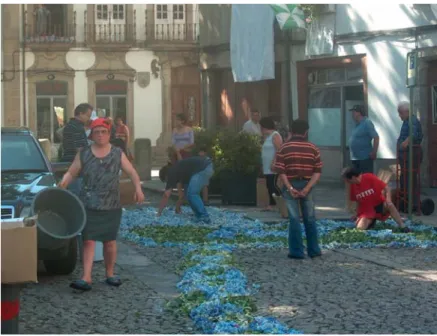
<point>164,201</point>
<point>72,172</point>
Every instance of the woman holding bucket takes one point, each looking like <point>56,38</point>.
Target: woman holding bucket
<point>100,165</point>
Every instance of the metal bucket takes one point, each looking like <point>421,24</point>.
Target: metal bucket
<point>61,216</point>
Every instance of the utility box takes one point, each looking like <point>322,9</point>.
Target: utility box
<point>143,158</point>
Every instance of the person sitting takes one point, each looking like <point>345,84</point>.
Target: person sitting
<point>373,197</point>
<point>193,174</point>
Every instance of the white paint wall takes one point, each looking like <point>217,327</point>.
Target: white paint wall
<point>361,16</point>
<point>297,53</point>
<point>80,60</point>
<point>80,21</point>
<point>147,101</point>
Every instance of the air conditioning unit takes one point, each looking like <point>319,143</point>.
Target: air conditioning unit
<point>329,8</point>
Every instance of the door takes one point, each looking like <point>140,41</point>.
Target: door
<point>432,126</point>
<point>170,22</point>
<point>51,116</point>
<point>110,22</point>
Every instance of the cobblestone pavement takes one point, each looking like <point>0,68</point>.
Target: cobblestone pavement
<point>335,294</point>
<point>340,294</point>
<point>51,307</point>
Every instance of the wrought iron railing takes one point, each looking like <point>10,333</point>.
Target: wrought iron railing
<point>183,29</point>
<point>46,30</point>
<point>110,31</point>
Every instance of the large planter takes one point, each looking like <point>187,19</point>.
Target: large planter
<point>238,188</point>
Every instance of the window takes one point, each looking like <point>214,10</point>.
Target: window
<point>19,152</point>
<point>115,12</point>
<point>325,98</point>
<point>161,12</point>
<point>354,74</point>
<point>434,104</point>
<point>178,12</point>
<point>102,12</point>
<point>118,12</point>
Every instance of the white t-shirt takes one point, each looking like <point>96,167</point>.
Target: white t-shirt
<point>251,127</point>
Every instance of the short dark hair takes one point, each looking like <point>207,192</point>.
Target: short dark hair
<point>299,127</point>
<point>182,117</point>
<point>267,123</point>
<point>163,173</point>
<point>119,117</point>
<point>82,108</point>
<point>350,172</point>
<point>254,111</point>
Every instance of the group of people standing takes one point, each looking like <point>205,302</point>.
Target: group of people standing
<point>292,166</point>
<point>94,176</point>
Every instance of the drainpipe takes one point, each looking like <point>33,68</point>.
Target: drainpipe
<point>23,57</point>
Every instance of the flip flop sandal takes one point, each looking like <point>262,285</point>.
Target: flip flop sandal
<point>81,285</point>
<point>113,281</point>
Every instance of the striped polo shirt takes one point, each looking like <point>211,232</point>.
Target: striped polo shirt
<point>74,137</point>
<point>298,159</point>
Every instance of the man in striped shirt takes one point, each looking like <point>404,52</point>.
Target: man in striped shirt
<point>299,166</point>
<point>75,139</point>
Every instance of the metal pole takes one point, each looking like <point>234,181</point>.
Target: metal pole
<point>410,157</point>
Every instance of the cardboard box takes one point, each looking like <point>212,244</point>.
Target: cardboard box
<point>19,252</point>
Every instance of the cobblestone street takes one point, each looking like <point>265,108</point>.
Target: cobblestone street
<point>346,291</point>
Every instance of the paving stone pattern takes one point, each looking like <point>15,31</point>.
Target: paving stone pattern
<point>339,294</point>
<point>51,307</point>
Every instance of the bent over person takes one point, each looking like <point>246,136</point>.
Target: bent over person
<point>373,197</point>
<point>100,165</point>
<point>299,166</point>
<point>193,175</point>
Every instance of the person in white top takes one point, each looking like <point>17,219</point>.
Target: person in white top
<point>272,143</point>
<point>252,126</point>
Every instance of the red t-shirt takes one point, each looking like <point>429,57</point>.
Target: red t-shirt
<point>368,193</point>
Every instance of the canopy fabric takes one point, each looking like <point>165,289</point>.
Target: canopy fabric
<point>289,16</point>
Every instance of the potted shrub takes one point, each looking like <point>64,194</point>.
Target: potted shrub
<point>237,162</point>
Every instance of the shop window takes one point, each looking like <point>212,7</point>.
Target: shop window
<point>111,99</point>
<point>51,109</point>
<point>354,74</point>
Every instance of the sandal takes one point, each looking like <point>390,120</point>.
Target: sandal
<point>113,281</point>
<point>81,285</point>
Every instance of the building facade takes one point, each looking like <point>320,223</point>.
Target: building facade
<point>124,59</point>
<point>352,54</point>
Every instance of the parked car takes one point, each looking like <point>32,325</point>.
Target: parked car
<point>25,170</point>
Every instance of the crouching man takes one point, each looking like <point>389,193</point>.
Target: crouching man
<point>373,198</point>
<point>193,174</point>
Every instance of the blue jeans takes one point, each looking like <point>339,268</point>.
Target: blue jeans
<point>295,242</point>
<point>192,192</point>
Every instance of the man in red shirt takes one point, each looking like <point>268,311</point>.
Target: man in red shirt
<point>373,198</point>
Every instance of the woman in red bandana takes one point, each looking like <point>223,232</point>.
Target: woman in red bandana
<point>373,197</point>
<point>100,165</point>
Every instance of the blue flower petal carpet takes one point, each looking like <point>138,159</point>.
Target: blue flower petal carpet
<point>214,292</point>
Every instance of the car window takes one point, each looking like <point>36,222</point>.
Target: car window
<point>19,152</point>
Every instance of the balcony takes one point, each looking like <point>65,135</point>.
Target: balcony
<point>42,32</point>
<point>174,29</point>
<point>108,29</point>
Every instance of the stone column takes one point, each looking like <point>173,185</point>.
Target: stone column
<point>165,137</point>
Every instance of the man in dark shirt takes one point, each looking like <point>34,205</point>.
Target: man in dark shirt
<point>194,174</point>
<point>403,147</point>
<point>299,167</point>
<point>74,138</point>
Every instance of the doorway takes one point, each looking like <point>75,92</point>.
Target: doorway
<point>111,106</point>
<point>51,116</point>
<point>352,95</point>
